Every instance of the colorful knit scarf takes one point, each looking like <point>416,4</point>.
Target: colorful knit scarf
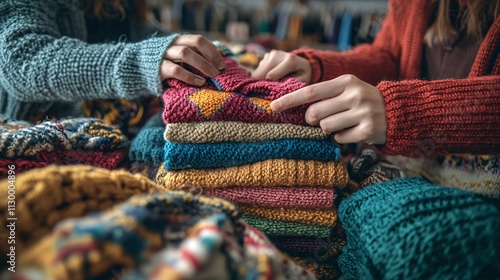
<point>163,236</point>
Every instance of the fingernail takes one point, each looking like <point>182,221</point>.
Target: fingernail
<point>199,81</point>
<point>222,66</point>
<point>214,73</point>
<point>275,106</point>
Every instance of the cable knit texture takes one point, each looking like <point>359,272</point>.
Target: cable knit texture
<point>437,117</point>
<point>46,60</point>
<point>48,195</point>
<point>268,173</point>
<point>411,229</point>
<point>147,147</point>
<point>277,197</point>
<point>227,131</point>
<point>184,237</point>
<point>231,96</point>
<point>22,139</point>
<point>180,156</point>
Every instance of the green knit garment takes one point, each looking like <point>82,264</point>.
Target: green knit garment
<point>411,229</point>
<point>45,61</point>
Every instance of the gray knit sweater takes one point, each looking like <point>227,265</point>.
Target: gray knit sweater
<point>45,62</point>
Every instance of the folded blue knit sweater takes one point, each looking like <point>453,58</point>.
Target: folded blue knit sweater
<point>411,229</point>
<point>147,146</point>
<point>226,154</point>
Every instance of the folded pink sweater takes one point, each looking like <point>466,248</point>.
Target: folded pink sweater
<point>232,96</point>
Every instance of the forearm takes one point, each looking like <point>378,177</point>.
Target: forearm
<point>369,63</point>
<point>38,64</point>
<point>429,118</point>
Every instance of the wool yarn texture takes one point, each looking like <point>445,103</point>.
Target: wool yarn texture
<point>109,160</point>
<point>268,173</point>
<point>277,197</point>
<point>411,229</point>
<point>183,237</point>
<point>232,96</point>
<point>22,140</point>
<point>309,216</point>
<point>232,131</point>
<point>285,228</point>
<point>179,156</point>
<point>48,195</point>
<point>148,146</point>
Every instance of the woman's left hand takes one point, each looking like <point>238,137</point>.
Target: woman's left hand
<point>351,108</point>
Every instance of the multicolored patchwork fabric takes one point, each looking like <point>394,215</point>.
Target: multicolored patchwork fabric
<point>48,195</point>
<point>180,156</point>
<point>268,173</point>
<point>19,139</point>
<point>170,235</point>
<point>232,96</point>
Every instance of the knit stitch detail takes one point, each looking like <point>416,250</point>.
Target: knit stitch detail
<point>268,173</point>
<point>109,160</point>
<point>277,197</point>
<point>411,229</point>
<point>180,156</point>
<point>230,131</point>
<point>48,195</point>
<point>148,147</point>
<point>17,139</point>
<point>308,216</point>
<point>285,228</point>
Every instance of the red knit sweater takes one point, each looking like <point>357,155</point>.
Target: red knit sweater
<point>424,118</point>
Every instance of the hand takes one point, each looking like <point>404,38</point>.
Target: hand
<point>193,50</point>
<point>279,64</point>
<point>355,110</point>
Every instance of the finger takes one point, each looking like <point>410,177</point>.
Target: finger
<point>322,109</point>
<point>339,122</point>
<point>308,94</point>
<point>282,69</point>
<point>351,135</point>
<point>187,55</point>
<point>266,64</point>
<point>302,77</point>
<point>170,70</point>
<point>204,47</point>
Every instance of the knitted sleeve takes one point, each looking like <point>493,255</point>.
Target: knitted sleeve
<point>371,63</point>
<point>38,64</point>
<point>429,118</point>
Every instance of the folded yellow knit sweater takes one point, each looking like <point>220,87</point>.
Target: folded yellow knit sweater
<point>310,217</point>
<point>268,173</point>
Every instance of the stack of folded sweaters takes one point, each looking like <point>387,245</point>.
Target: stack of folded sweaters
<point>223,140</point>
<point>24,146</point>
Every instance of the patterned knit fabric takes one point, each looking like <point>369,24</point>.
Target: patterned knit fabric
<point>213,132</point>
<point>163,236</point>
<point>279,197</point>
<point>411,229</point>
<point>45,196</point>
<point>269,173</point>
<point>20,139</point>
<point>285,228</point>
<point>109,160</point>
<point>235,97</point>
<point>180,156</point>
<point>308,216</point>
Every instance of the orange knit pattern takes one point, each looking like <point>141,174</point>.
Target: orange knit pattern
<point>310,217</point>
<point>268,173</point>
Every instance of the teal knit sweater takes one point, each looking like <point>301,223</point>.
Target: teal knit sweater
<point>46,63</point>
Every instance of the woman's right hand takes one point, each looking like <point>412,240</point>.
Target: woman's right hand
<point>279,64</point>
<point>195,51</point>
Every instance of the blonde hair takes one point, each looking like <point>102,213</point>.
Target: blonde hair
<point>104,9</point>
<point>476,18</point>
